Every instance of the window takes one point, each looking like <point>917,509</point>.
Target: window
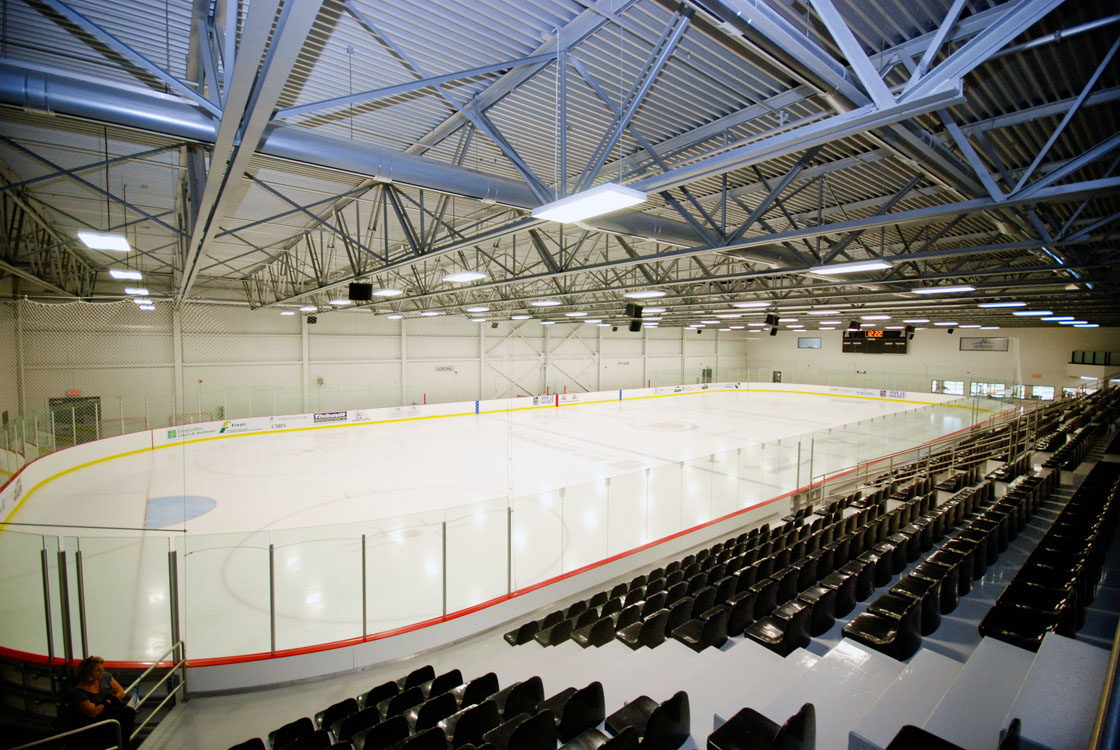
<point>1017,391</point>
<point>1043,392</point>
<point>807,342</point>
<point>948,387</point>
<point>993,390</point>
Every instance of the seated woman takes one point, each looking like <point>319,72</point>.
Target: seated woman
<point>97,696</point>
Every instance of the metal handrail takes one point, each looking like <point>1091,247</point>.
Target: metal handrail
<point>54,738</point>
<point>180,665</point>
<point>1106,728</point>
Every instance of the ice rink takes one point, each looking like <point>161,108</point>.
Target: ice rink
<point>426,511</point>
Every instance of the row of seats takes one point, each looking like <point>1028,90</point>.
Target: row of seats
<point>479,715</point>
<point>1055,584</point>
<point>1073,452</point>
<point>896,621</point>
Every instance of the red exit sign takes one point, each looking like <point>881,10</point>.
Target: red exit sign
<point>73,393</point>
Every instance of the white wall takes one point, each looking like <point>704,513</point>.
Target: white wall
<point>212,362</point>
<point>931,354</point>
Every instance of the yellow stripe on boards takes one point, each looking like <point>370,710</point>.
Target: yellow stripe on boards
<point>553,405</point>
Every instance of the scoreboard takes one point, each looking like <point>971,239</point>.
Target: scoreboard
<point>873,341</point>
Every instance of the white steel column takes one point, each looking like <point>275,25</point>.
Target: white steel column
<point>177,348</point>
<point>645,357</point>
<point>599,361</point>
<point>481,360</point>
<point>404,360</point>
<point>305,363</point>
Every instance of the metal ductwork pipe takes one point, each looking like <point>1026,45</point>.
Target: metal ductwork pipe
<point>37,89</point>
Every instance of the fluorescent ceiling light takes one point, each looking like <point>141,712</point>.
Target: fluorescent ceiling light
<point>387,292</point>
<point>710,322</point>
<point>1032,313</point>
<point>874,317</point>
<point>1002,304</point>
<point>545,303</point>
<point>756,324</point>
<point>1058,317</point>
<point>655,325</point>
<point>737,328</point>
<point>916,320</point>
<point>725,329</point>
<point>604,325</point>
<point>142,300</point>
<point>896,328</point>
<point>593,320</point>
<point>137,291</point>
<point>394,317</point>
<point>829,322</point>
<point>653,310</point>
<point>827,328</point>
<point>1088,377</point>
<point>1086,325</point>
<point>599,200</point>
<point>309,308</point>
<point>989,328</point>
<point>548,322</point>
<point>478,320</point>
<point>287,312</point>
<point>944,289</point>
<point>576,314</point>
<point>654,319</point>
<point>945,323</point>
<point>147,307</point>
<point>96,241</point>
<point>746,305</point>
<point>857,267</point>
<point>430,313</point>
<point>519,317</point>
<point>729,315</point>
<point>478,309</point>
<point>647,294</point>
<point>970,325</point>
<point>795,325</point>
<point>824,312</point>
<point>787,320</point>
<point>1072,322</point>
<point>868,325</point>
<point>340,302</point>
<point>125,275</point>
<point>464,276</point>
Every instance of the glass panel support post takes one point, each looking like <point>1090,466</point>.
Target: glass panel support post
<point>81,584</point>
<point>45,567</point>
<point>173,591</point>
<point>64,607</point>
<point>509,550</point>
<point>365,624</point>
<point>272,596</point>
<point>443,542</point>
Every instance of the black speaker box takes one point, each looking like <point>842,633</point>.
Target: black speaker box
<point>360,292</point>
<point>635,326</point>
<point>773,331</point>
<point>312,320</point>
<point>771,320</point>
<point>633,311</point>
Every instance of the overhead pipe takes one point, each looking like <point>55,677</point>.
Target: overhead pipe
<point>38,89</point>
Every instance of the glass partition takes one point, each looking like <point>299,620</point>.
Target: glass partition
<point>225,594</point>
<point>318,580</point>
<point>23,616</point>
<point>663,501</point>
<point>404,571</point>
<point>586,524</point>
<point>626,496</point>
<point>127,591</point>
<point>477,553</point>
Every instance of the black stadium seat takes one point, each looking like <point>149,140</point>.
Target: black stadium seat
<point>290,732</point>
<point>663,726</point>
<point>328,716</point>
<point>750,730</point>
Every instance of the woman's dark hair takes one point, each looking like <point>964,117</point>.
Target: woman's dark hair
<point>85,669</point>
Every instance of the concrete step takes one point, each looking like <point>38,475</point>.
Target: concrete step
<point>971,712</point>
<point>842,686</point>
<point>910,699</point>
<point>1057,703</point>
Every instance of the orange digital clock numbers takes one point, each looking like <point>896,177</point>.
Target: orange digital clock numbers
<point>874,334</point>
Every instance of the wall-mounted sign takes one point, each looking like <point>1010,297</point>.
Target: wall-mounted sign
<point>977,344</point>
<point>445,368</point>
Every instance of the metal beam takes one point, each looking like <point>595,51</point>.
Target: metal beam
<point>938,39</point>
<point>249,105</point>
<point>981,47</point>
<point>816,134</point>
<point>857,58</point>
<point>104,37</point>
